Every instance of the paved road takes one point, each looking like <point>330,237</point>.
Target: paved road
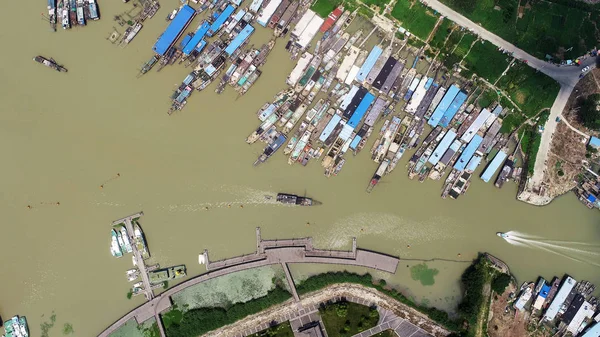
<point>566,76</point>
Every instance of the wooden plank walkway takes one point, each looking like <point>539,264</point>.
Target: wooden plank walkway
<point>272,255</point>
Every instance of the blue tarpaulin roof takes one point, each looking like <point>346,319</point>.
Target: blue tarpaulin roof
<point>493,166</point>
<point>201,46</point>
<point>591,198</point>
<point>439,111</point>
<point>369,64</point>
<point>453,109</point>
<point>468,152</point>
<point>239,39</point>
<point>473,163</point>
<point>361,110</point>
<point>594,331</point>
<point>335,120</point>
<point>595,142</point>
<point>200,32</point>
<point>177,25</point>
<point>220,20</point>
<point>544,291</point>
<point>355,142</point>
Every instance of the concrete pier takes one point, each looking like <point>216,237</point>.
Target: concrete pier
<point>269,252</point>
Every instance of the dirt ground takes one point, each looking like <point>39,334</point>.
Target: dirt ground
<point>503,324</point>
<point>566,154</point>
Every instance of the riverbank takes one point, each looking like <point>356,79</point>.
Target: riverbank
<point>352,292</point>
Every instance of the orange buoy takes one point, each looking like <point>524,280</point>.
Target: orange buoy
<point>29,206</point>
<point>58,203</point>
<point>101,186</point>
<point>407,246</point>
<point>241,206</point>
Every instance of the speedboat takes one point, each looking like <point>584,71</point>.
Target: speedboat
<point>502,235</point>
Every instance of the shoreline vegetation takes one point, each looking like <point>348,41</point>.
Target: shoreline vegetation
<point>477,280</point>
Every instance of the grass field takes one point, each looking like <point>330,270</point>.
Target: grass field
<point>324,7</point>
<point>486,61</point>
<point>282,330</point>
<point>529,89</point>
<point>415,17</point>
<point>465,44</point>
<point>546,27</point>
<point>347,319</point>
<point>442,32</point>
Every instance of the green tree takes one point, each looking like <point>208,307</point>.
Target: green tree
<point>588,112</point>
<point>341,310</point>
<point>500,283</point>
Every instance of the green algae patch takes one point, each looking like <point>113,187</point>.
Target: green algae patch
<point>423,274</point>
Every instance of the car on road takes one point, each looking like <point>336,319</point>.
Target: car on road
<point>585,69</point>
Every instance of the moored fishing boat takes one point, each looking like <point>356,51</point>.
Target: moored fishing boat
<point>115,248</point>
<point>50,63</point>
<point>148,65</point>
<point>52,14</point>
<point>270,149</point>
<point>64,14</point>
<point>16,327</point>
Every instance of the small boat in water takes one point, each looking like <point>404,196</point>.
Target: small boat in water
<point>503,235</point>
<point>50,63</point>
<point>292,199</point>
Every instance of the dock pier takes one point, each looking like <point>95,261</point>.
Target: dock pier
<point>148,293</point>
<point>268,253</point>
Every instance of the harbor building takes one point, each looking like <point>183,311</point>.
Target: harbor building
<point>440,110</point>
<point>174,30</point>
<point>361,110</point>
<point>239,39</point>
<point>442,147</point>
<point>197,39</point>
<point>560,298</point>
<point>368,64</point>
<point>466,155</point>
<point>220,20</point>
<point>458,101</point>
<point>493,166</point>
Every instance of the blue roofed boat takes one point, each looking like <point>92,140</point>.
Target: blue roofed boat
<point>361,110</point>
<point>201,46</point>
<point>335,120</point>
<point>442,147</point>
<point>497,110</point>
<point>493,166</point>
<point>473,163</point>
<point>466,155</point>
<point>355,142</point>
<point>428,83</point>
<point>198,36</point>
<point>368,64</point>
<point>185,40</point>
<point>460,98</point>
<point>255,6</point>
<point>220,20</point>
<point>439,111</point>
<point>239,39</point>
<point>174,30</point>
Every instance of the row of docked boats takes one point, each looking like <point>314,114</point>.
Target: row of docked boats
<point>122,243</point>
<point>368,87</point>
<point>72,12</point>
<point>210,59</point>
